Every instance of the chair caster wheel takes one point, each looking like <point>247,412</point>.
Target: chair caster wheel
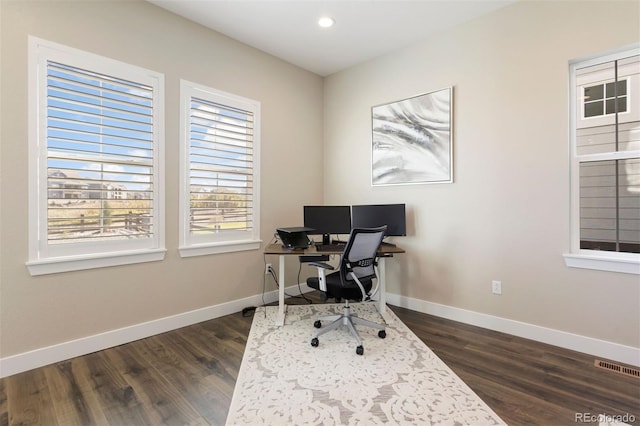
<point>315,342</point>
<point>359,350</point>
<point>317,324</point>
<point>382,334</point>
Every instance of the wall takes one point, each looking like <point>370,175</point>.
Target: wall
<point>37,312</point>
<point>506,216</point>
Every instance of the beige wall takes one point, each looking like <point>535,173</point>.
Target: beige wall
<point>36,312</point>
<point>506,216</point>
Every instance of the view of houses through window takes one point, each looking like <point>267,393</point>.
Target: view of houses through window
<point>96,145</point>
<point>607,147</point>
<point>99,156</point>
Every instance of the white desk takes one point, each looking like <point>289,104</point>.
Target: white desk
<point>384,252</point>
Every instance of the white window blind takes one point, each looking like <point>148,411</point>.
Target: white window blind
<point>220,167</point>
<point>95,161</point>
<point>99,156</point>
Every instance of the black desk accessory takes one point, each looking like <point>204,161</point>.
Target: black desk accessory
<point>294,238</point>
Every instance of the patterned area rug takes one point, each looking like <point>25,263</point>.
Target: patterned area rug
<point>398,380</point>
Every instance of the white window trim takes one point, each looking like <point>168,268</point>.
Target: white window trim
<point>628,263</point>
<point>190,246</point>
<point>600,261</point>
<point>41,259</point>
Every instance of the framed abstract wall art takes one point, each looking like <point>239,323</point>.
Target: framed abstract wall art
<point>412,140</point>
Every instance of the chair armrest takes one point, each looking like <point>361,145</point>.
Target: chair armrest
<point>321,265</point>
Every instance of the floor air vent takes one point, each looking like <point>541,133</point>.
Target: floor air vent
<point>633,372</point>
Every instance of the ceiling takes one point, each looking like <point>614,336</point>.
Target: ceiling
<point>363,30</point>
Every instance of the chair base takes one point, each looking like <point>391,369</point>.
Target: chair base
<point>350,321</point>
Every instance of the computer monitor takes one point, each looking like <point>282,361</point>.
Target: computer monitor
<point>374,215</point>
<point>327,220</point>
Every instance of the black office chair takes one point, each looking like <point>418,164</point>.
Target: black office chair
<point>353,281</point>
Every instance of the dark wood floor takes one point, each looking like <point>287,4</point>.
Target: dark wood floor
<point>187,376</point>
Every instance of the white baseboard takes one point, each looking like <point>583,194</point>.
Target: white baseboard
<point>48,355</point>
<point>600,348</point>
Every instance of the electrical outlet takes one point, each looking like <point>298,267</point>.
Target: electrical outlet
<point>496,287</point>
<point>267,269</point>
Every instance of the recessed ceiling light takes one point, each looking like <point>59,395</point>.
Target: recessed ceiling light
<point>326,22</point>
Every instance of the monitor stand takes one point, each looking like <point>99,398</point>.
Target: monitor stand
<point>326,239</point>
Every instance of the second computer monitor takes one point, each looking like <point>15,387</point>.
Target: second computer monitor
<point>327,220</point>
<point>374,215</point>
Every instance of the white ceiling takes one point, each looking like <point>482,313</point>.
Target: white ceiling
<point>363,30</point>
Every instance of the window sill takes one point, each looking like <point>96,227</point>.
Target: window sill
<point>217,248</point>
<point>102,260</point>
<point>629,264</point>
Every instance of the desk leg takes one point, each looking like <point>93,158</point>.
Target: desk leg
<point>280,317</point>
<point>382,276</point>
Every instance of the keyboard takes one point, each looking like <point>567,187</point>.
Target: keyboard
<point>330,247</point>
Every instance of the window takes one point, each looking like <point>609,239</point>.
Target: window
<point>604,99</point>
<point>219,158</point>
<point>95,161</point>
<point>605,145</point>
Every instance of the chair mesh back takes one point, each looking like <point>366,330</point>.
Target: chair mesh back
<point>363,245</point>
